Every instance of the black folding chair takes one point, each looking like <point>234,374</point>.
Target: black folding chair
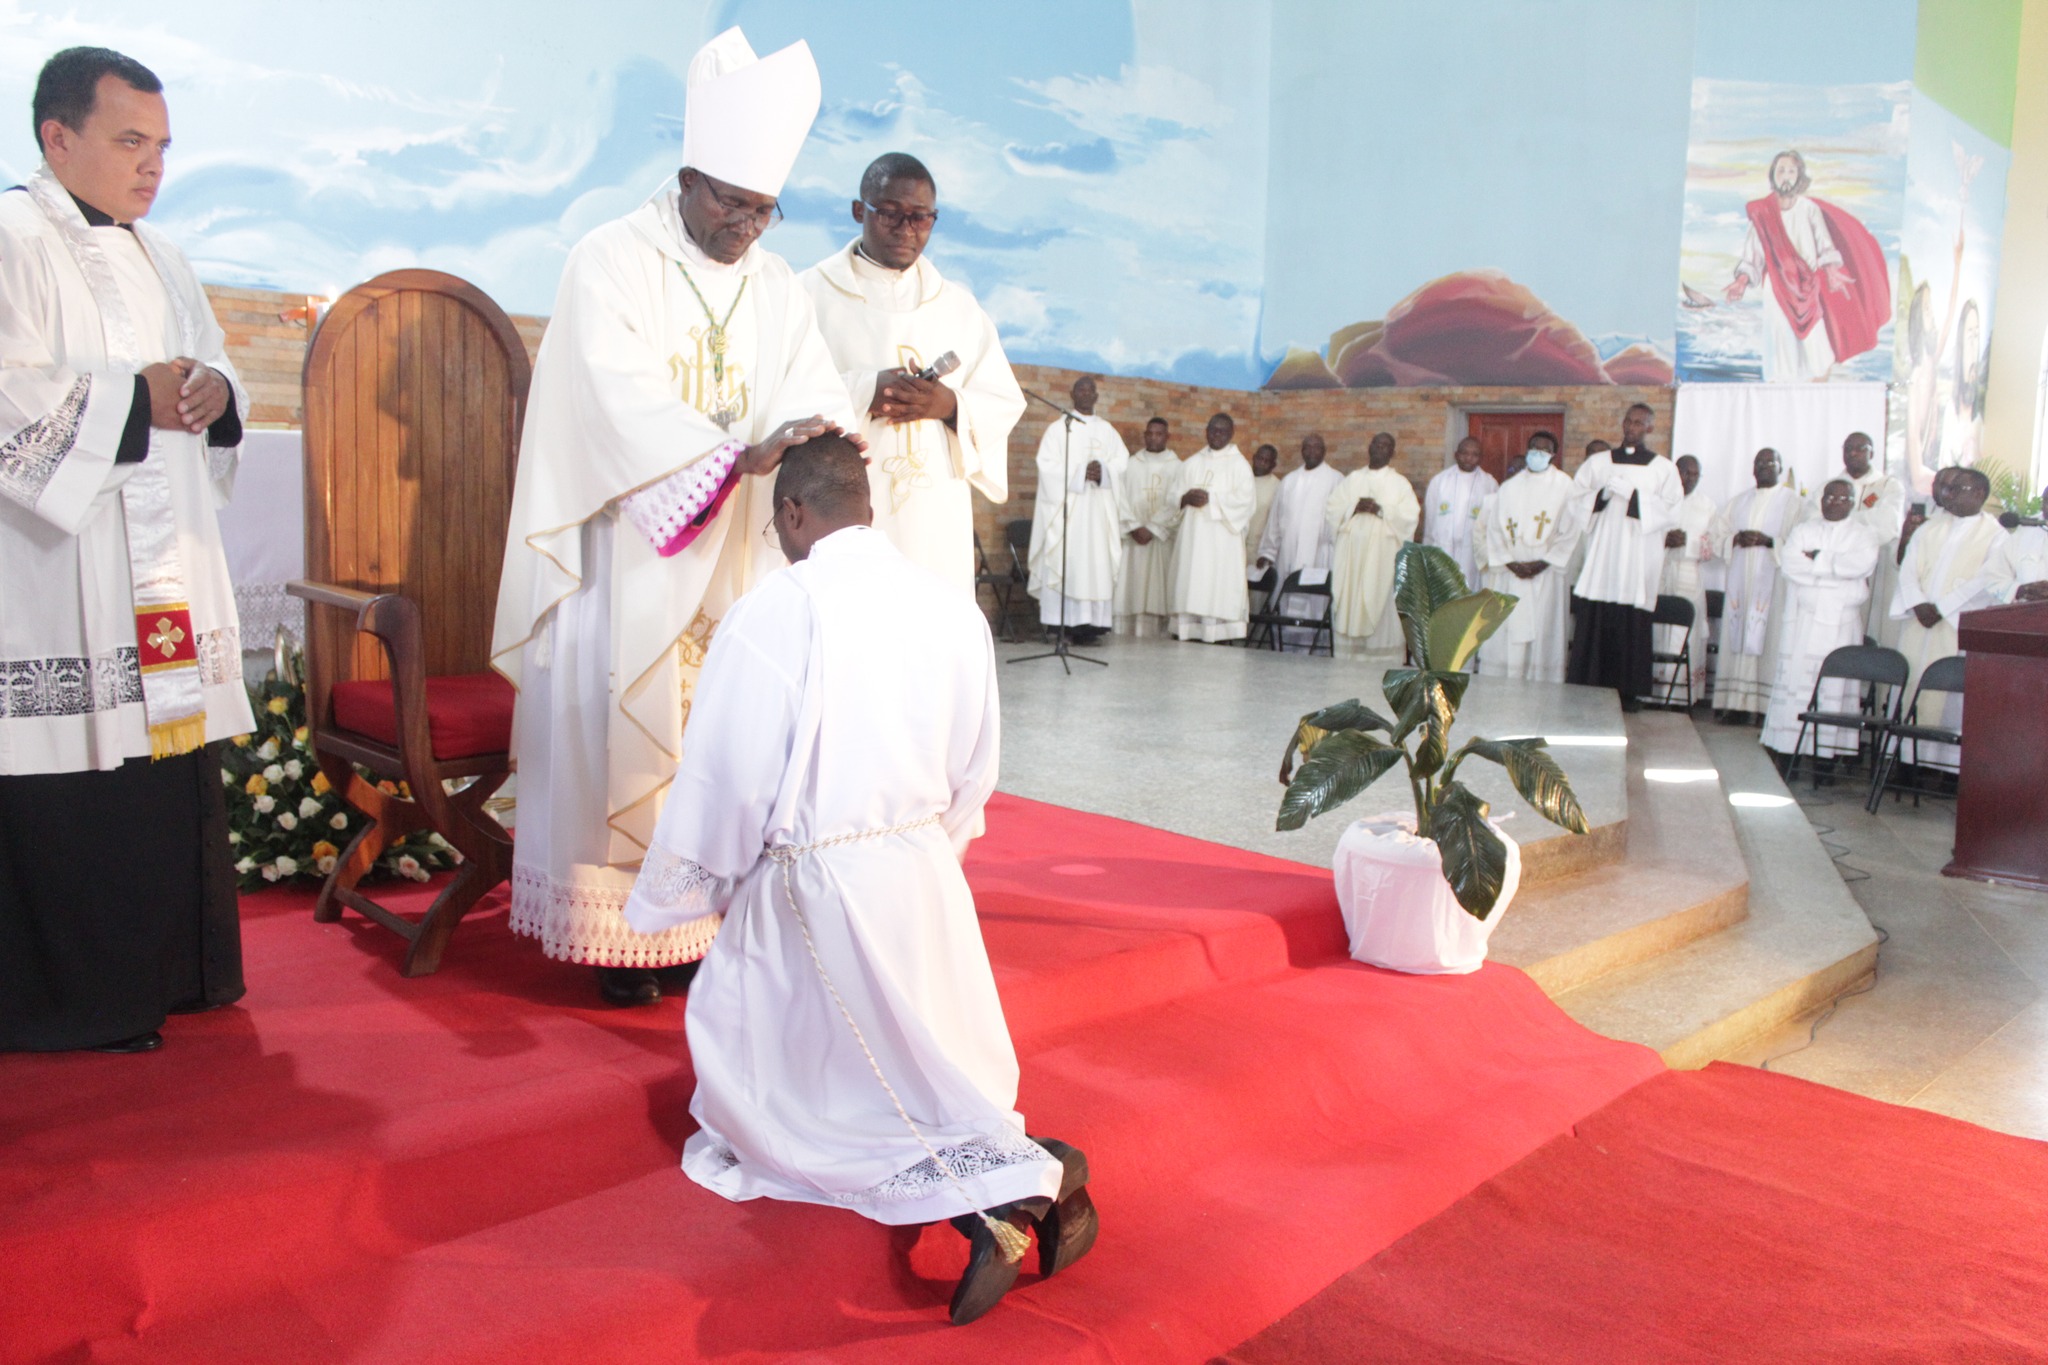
<point>1675,612</point>
<point>1001,583</point>
<point>1262,591</point>
<point>1017,539</point>
<point>1943,675</point>
<point>1268,624</point>
<point>1875,667</point>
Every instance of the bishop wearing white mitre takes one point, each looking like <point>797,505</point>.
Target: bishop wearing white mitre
<point>1687,545</point>
<point>1371,515</point>
<point>886,314</point>
<point>1144,580</point>
<point>120,652</point>
<point>1952,565</point>
<point>1077,541</point>
<point>681,361</point>
<point>1880,504</point>
<point>849,1046</point>
<point>1827,566</point>
<point>1298,538</point>
<point>1212,501</point>
<point>1454,508</point>
<point>1749,530</point>
<point>1530,539</point>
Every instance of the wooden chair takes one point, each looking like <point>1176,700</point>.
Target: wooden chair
<point>415,390</point>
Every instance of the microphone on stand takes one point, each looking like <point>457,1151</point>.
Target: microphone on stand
<point>2012,521</point>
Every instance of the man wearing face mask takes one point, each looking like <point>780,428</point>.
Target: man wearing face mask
<point>1530,540</point>
<point>1687,545</point>
<point>1752,526</point>
<point>1827,566</point>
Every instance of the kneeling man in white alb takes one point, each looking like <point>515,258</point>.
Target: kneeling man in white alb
<point>849,1045</point>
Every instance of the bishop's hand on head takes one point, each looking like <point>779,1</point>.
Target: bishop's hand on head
<point>764,457</point>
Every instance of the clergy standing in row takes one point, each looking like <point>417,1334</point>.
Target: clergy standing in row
<point>1144,584</point>
<point>1371,515</point>
<point>1453,509</point>
<point>1212,504</point>
<point>1265,487</point>
<point>1952,565</point>
<point>1880,504</point>
<point>1297,538</point>
<point>681,361</point>
<point>1751,527</point>
<point>2021,564</point>
<point>848,1042</point>
<point>1826,565</point>
<point>886,313</point>
<point>1530,541</point>
<point>1688,545</point>
<point>1077,541</point>
<point>1626,498</point>
<point>120,651</point>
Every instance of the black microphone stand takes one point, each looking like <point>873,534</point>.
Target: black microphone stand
<point>1061,650</point>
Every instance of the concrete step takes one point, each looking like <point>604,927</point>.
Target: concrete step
<point>1681,876</point>
<point>1804,942</point>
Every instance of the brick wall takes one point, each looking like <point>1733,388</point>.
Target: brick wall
<point>1425,423</point>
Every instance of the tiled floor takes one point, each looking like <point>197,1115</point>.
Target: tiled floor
<point>1957,1020</point>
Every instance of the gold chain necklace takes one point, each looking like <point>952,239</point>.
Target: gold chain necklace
<point>725,413</point>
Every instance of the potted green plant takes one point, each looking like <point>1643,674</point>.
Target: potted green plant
<point>1422,892</point>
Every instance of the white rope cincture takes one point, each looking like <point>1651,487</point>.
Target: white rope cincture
<point>1009,1240</point>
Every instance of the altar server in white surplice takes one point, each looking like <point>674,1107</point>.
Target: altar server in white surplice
<point>1827,566</point>
<point>682,359</point>
<point>1952,565</point>
<point>1626,498</point>
<point>1453,506</point>
<point>1530,541</point>
<point>1749,530</point>
<point>120,652</point>
<point>1687,545</point>
<point>886,313</point>
<point>1297,537</point>
<point>1265,487</point>
<point>1212,500</point>
<point>1371,515</point>
<point>1144,581</point>
<point>1880,504</point>
<point>1077,544</point>
<point>846,739</point>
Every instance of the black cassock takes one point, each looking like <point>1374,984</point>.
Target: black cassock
<point>117,901</point>
<point>1611,641</point>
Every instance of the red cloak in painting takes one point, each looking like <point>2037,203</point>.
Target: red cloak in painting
<point>1853,314</point>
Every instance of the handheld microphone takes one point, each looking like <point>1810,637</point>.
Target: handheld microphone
<point>944,365</point>
<point>2012,521</point>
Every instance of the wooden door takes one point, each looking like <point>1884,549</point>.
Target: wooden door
<point>1504,434</point>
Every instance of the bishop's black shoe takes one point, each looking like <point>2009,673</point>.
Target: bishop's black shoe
<point>990,1270</point>
<point>141,1042</point>
<point>675,980</point>
<point>628,986</point>
<point>1068,1228</point>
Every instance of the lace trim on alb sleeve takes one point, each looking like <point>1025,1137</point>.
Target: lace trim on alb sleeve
<point>675,511</point>
<point>678,889</point>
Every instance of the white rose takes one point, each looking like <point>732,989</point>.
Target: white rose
<point>326,865</point>
<point>273,774</point>
<point>234,839</point>
<point>287,867</point>
<point>245,866</point>
<point>227,779</point>
<point>338,821</point>
<point>409,866</point>
<point>265,804</point>
<point>270,872</point>
<point>267,750</point>
<point>309,806</point>
<point>287,821</point>
<point>293,768</point>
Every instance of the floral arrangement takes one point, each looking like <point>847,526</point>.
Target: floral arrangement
<point>285,819</point>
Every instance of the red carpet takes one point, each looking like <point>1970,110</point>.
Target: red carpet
<point>1709,1216</point>
<point>481,1165</point>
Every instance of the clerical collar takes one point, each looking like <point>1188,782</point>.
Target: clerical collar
<point>1632,454</point>
<point>95,218</point>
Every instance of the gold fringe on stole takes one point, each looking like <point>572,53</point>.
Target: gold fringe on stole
<point>177,737</point>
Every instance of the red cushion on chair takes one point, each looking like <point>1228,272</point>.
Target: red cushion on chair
<point>467,714</point>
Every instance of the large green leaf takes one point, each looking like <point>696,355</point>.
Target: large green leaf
<point>1402,688</point>
<point>1537,777</point>
<point>1459,628</point>
<point>1474,858</point>
<point>1345,715</point>
<point>1440,695</point>
<point>1424,697</point>
<point>1425,578</point>
<point>1339,768</point>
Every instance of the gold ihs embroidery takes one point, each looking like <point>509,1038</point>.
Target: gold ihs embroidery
<point>906,468</point>
<point>691,650</point>
<point>695,381</point>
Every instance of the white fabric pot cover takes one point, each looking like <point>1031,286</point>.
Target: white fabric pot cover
<point>1399,910</point>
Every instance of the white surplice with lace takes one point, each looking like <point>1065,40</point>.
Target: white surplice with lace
<point>849,701</point>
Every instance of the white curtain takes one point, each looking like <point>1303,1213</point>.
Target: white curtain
<point>1726,424</point>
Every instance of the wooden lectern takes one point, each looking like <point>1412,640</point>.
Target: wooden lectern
<point>2002,800</point>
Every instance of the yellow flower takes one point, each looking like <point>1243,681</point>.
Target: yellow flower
<point>256,786</point>
<point>277,706</point>
<point>388,788</point>
<point>321,786</point>
<point>299,736</point>
<point>323,849</point>
<point>241,741</point>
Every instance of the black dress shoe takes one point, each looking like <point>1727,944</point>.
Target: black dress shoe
<point>989,1273</point>
<point>141,1042</point>
<point>1067,1231</point>
<point>675,980</point>
<point>198,1007</point>
<point>628,986</point>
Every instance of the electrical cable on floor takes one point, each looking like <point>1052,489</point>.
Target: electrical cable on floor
<point>1838,853</point>
<point>1813,1033</point>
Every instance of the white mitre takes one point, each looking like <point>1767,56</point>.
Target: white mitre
<point>745,117</point>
